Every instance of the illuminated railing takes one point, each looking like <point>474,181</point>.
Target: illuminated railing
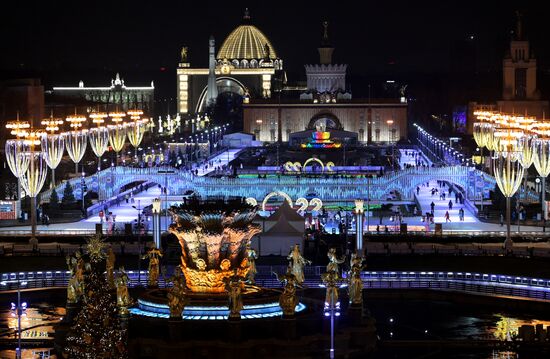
<point>487,284</point>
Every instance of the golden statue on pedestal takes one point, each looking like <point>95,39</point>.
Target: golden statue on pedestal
<point>177,295</point>
<point>288,299</point>
<point>123,299</point>
<point>110,267</point>
<point>251,256</point>
<point>297,262</point>
<point>234,286</point>
<point>355,284</point>
<point>331,280</point>
<point>154,255</point>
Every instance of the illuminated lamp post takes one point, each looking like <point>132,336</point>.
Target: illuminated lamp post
<point>99,136</point>
<point>136,129</point>
<point>117,132</point>
<point>526,147</point>
<point>15,150</point>
<point>53,144</point>
<point>359,210</point>
<point>508,170</point>
<point>156,221</point>
<point>542,162</point>
<point>390,141</point>
<point>76,140</point>
<point>35,176</point>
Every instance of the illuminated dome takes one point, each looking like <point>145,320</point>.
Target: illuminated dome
<point>248,47</point>
<point>246,42</point>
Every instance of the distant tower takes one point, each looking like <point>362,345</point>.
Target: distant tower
<point>326,76</point>
<point>212,90</point>
<point>519,68</point>
<point>325,50</point>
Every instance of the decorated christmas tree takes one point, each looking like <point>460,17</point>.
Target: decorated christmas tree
<point>97,331</point>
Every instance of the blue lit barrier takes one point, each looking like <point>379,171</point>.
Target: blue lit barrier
<point>467,282</point>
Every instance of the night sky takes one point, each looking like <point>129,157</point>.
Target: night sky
<point>63,42</point>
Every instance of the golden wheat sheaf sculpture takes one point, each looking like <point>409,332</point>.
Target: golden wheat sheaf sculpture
<point>213,246</point>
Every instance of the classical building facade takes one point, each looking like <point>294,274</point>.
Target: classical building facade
<point>326,106</point>
<point>245,64</point>
<point>377,121</point>
<point>117,96</point>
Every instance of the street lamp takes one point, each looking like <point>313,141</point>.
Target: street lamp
<point>136,129</point>
<point>35,176</point>
<point>76,139</point>
<point>507,169</point>
<point>138,208</point>
<point>53,145</point>
<point>15,150</point>
<point>359,210</point>
<point>117,132</point>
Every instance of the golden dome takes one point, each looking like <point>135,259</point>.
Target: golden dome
<point>246,42</point>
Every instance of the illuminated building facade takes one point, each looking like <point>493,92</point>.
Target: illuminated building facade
<point>519,77</point>
<point>117,96</point>
<point>245,65</point>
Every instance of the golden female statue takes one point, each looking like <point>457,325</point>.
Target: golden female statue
<point>123,299</point>
<point>252,256</point>
<point>333,261</point>
<point>234,286</point>
<point>297,262</point>
<point>288,299</point>
<point>154,255</point>
<point>110,267</point>
<point>355,289</point>
<point>177,295</point>
<point>331,280</point>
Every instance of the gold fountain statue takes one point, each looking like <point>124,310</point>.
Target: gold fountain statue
<point>177,296</point>
<point>123,297</point>
<point>297,262</point>
<point>214,244</point>
<point>288,299</point>
<point>355,284</point>
<point>154,255</point>
<point>234,286</point>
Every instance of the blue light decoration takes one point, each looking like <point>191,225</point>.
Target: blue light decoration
<point>255,311</point>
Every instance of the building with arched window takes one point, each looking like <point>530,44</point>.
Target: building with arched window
<point>245,65</point>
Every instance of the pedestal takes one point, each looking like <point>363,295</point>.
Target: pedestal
<point>175,326</point>
<point>234,330</point>
<point>124,319</point>
<point>288,327</point>
<point>355,314</point>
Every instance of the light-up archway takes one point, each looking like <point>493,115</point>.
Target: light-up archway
<point>276,194</point>
<point>313,159</point>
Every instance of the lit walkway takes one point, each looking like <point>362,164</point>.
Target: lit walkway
<point>409,157</point>
<point>219,161</point>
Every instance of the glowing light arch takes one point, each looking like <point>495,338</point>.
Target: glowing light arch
<point>313,159</point>
<point>276,194</point>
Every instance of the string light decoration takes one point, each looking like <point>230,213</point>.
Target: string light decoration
<point>16,148</point>
<point>77,139</point>
<point>35,176</point>
<point>99,136</point>
<point>542,158</point>
<point>53,144</point>
<point>117,132</point>
<point>136,129</point>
